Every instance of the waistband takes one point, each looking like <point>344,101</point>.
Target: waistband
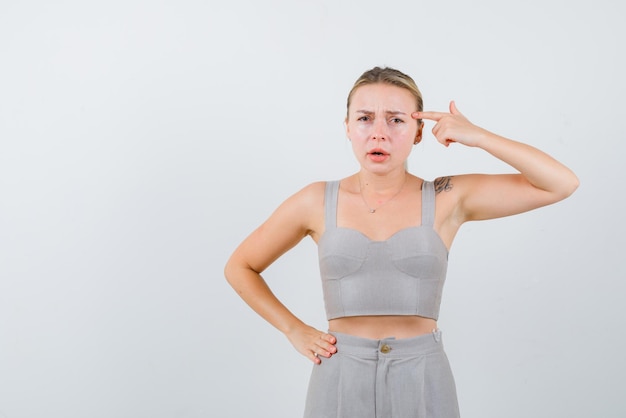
<point>389,347</point>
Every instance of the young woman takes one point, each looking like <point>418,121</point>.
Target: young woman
<point>383,236</point>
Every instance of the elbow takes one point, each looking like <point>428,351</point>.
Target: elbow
<point>569,186</point>
<point>236,272</point>
<point>229,272</point>
<point>573,184</point>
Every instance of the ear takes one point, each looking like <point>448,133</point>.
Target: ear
<point>418,136</point>
<point>347,127</point>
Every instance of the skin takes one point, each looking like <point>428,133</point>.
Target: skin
<point>383,128</point>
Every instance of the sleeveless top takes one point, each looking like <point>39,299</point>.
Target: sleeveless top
<point>403,275</point>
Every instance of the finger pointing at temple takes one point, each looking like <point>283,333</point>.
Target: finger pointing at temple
<point>429,115</point>
<point>436,116</point>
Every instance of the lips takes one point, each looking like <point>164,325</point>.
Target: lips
<point>377,155</point>
<point>378,152</point>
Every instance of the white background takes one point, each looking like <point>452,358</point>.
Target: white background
<point>140,142</point>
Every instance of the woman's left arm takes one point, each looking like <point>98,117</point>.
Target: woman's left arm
<point>542,180</point>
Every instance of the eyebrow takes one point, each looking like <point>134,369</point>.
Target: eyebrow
<point>389,112</point>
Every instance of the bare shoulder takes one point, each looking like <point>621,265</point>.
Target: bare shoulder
<point>311,194</point>
<point>449,216</point>
<point>304,209</point>
<point>452,190</point>
<point>307,201</point>
<point>456,184</point>
<point>301,214</point>
<point>443,184</point>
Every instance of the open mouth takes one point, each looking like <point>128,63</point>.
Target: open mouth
<point>378,152</point>
<point>378,155</point>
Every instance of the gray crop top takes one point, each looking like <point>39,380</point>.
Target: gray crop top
<point>403,275</point>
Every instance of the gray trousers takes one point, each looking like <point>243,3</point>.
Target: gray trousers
<point>388,378</point>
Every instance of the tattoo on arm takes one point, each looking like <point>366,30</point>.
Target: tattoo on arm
<point>443,184</point>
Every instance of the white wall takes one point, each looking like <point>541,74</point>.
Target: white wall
<point>140,142</point>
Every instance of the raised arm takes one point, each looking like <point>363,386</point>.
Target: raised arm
<point>542,180</point>
<point>292,221</point>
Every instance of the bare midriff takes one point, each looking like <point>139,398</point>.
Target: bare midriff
<point>379,327</point>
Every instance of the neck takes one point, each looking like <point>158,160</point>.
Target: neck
<point>380,190</point>
<point>382,184</point>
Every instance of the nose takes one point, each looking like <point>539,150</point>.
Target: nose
<point>379,130</point>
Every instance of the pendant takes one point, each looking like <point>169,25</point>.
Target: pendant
<point>372,210</point>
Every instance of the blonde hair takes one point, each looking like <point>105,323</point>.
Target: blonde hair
<point>388,76</point>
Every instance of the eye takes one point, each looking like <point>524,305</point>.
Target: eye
<point>363,119</point>
<point>396,121</point>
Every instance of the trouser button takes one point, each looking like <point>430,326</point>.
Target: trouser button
<point>385,349</point>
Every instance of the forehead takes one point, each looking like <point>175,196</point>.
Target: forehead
<point>385,96</point>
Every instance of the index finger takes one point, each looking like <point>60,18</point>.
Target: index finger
<point>329,338</point>
<point>429,115</point>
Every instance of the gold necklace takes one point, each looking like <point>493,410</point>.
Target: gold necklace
<point>373,210</point>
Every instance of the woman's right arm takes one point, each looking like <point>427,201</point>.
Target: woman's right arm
<point>294,219</point>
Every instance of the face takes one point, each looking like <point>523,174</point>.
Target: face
<point>380,126</point>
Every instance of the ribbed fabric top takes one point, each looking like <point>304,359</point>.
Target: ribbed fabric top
<point>403,275</point>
